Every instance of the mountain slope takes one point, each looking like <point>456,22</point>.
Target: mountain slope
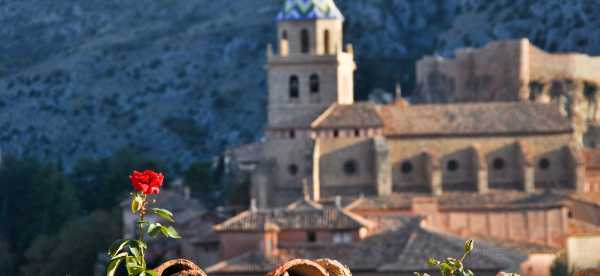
<point>184,79</point>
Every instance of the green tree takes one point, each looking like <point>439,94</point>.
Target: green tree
<point>559,266</point>
<point>74,250</point>
<point>203,182</point>
<point>36,199</point>
<point>6,257</point>
<point>102,183</point>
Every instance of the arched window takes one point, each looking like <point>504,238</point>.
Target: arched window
<point>294,87</point>
<point>293,169</point>
<point>498,164</point>
<point>284,35</point>
<point>314,83</point>
<point>544,164</point>
<point>304,41</point>
<point>327,42</point>
<point>407,167</point>
<point>452,165</point>
<point>350,167</point>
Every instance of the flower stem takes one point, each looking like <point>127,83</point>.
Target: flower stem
<point>142,214</point>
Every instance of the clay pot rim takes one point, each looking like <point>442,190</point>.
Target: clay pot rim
<point>184,262</point>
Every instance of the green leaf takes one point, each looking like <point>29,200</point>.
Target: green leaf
<point>445,268</point>
<point>170,232</point>
<point>468,246</point>
<point>433,262</point>
<point>135,251</point>
<point>116,247</point>
<point>151,273</point>
<point>121,255</point>
<point>112,266</point>
<point>165,214</point>
<point>154,229</point>
<point>135,206</point>
<point>133,266</point>
<point>140,244</point>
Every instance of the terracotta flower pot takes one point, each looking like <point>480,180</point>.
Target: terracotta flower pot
<point>179,267</point>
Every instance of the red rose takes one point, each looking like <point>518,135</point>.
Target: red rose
<point>147,182</point>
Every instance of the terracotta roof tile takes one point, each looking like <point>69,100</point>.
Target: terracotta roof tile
<point>301,121</point>
<point>349,116</point>
<point>295,216</point>
<point>249,152</point>
<point>473,119</point>
<point>400,245</point>
<point>591,157</point>
<point>494,199</point>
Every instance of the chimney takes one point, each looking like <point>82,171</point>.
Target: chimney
<point>338,201</point>
<point>398,91</point>
<point>269,50</point>
<point>305,191</point>
<point>253,207</point>
<point>269,240</point>
<point>187,193</point>
<point>350,48</point>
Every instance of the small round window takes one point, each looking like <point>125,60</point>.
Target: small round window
<point>452,165</point>
<point>293,169</point>
<point>350,167</point>
<point>498,164</point>
<point>544,164</point>
<point>407,167</point>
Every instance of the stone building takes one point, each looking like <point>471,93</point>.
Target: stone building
<point>524,73</point>
<point>317,134</point>
<point>496,153</point>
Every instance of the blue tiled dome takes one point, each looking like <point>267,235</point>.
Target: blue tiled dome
<point>309,9</point>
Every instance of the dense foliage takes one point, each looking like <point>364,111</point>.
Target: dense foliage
<point>43,209</point>
<point>74,250</point>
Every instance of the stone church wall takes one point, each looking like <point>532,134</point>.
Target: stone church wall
<point>460,149</point>
<point>516,70</point>
<point>337,157</point>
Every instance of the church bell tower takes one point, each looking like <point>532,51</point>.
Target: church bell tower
<point>311,68</point>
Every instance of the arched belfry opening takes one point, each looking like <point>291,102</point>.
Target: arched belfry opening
<point>304,41</point>
<point>294,87</point>
<point>327,42</point>
<point>315,84</point>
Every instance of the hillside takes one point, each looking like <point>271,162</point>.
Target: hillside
<point>184,79</point>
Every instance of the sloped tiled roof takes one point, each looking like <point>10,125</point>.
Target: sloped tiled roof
<point>474,119</point>
<point>423,244</point>
<point>303,121</point>
<point>401,245</point>
<point>249,152</point>
<point>298,215</point>
<point>309,9</point>
<point>494,199</point>
<point>591,157</point>
<point>349,116</point>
